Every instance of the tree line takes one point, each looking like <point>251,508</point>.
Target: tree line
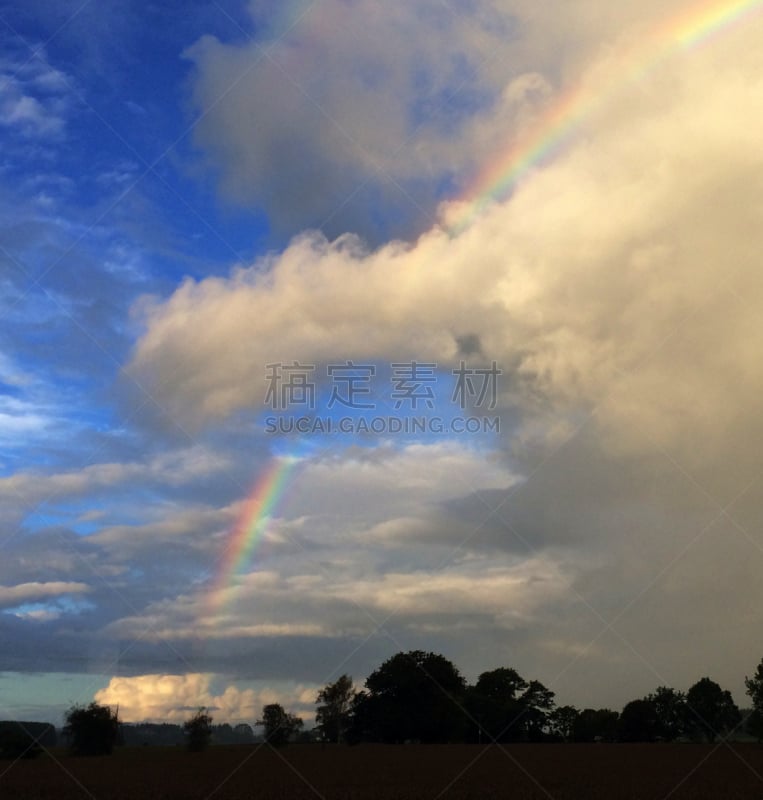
<point>420,696</point>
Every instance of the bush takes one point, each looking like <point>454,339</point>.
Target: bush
<point>280,726</point>
<point>198,731</point>
<point>91,730</point>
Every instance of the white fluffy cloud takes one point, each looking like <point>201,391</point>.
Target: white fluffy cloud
<point>622,276</point>
<point>176,697</point>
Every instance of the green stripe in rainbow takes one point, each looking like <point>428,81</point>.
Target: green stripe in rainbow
<point>712,19</point>
<point>253,521</point>
<point>559,125</point>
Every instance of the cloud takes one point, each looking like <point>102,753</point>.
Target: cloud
<point>175,698</point>
<point>618,286</point>
<point>29,114</point>
<point>358,118</point>
<point>606,281</point>
<point>39,614</point>
<point>357,596</point>
<point>36,99</point>
<point>328,116</point>
<point>190,527</point>
<point>171,468</point>
<point>32,592</point>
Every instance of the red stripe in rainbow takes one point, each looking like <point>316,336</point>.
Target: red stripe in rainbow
<point>560,123</point>
<point>252,524</point>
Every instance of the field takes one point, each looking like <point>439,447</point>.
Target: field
<point>375,772</point>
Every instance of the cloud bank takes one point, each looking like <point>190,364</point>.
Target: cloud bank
<point>606,542</point>
<point>618,286</point>
<point>175,698</point>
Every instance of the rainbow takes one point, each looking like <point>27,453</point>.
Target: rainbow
<point>256,514</point>
<point>557,127</point>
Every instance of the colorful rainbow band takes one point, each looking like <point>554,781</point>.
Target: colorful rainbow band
<point>690,28</point>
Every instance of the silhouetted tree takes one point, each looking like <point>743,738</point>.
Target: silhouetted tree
<point>494,702</point>
<point>536,703</point>
<point>670,709</point>
<point>595,725</point>
<point>280,726</point>
<point>221,734</point>
<point>754,687</point>
<point>309,736</point>
<point>198,731</point>
<point>508,708</point>
<point>243,733</point>
<point>91,730</point>
<point>334,712</point>
<point>562,722</point>
<point>414,696</point>
<point>638,722</point>
<point>711,710</point>
<point>754,724</point>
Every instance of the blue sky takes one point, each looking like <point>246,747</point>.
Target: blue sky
<point>192,191</point>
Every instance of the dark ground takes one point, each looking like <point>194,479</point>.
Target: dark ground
<point>377,772</point>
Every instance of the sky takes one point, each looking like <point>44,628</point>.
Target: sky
<point>331,329</point>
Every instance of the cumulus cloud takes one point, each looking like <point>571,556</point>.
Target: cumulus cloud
<point>618,286</point>
<point>175,697</point>
<point>339,110</point>
<point>352,117</point>
<point>621,273</point>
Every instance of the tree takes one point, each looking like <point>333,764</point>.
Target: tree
<point>536,703</point>
<point>754,687</point>
<point>711,710</point>
<point>414,696</point>
<point>280,726</point>
<point>754,724</point>
<point>508,708</point>
<point>638,722</point>
<point>500,684</point>
<point>334,712</point>
<point>670,709</point>
<point>243,733</point>
<point>91,730</point>
<point>495,703</point>
<point>595,725</point>
<point>562,721</point>
<point>198,731</point>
